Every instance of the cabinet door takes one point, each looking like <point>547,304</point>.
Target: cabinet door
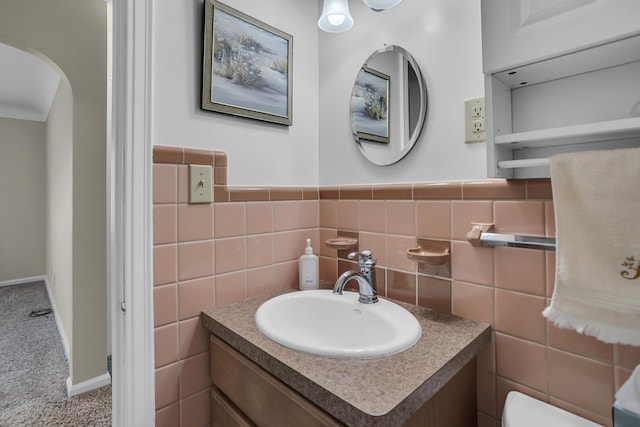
<point>518,32</point>
<point>225,414</point>
<point>261,397</point>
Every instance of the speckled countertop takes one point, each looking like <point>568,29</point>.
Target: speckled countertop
<point>374,392</point>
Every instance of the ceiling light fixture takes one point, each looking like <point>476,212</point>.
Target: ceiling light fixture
<point>380,5</point>
<point>336,18</point>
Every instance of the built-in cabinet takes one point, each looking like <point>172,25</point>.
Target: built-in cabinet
<point>519,32</point>
<point>560,76</point>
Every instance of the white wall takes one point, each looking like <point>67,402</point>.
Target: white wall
<point>22,202</point>
<point>259,153</point>
<point>443,35</point>
<point>445,39</point>
<point>59,198</point>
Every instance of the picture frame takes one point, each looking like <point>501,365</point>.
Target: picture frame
<point>247,66</point>
<point>370,105</point>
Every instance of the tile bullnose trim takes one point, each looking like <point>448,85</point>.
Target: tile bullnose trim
<point>199,157</point>
<point>248,194</point>
<point>220,159</point>
<point>165,154</point>
<point>393,192</point>
<point>330,192</point>
<point>438,190</point>
<point>220,194</point>
<point>285,193</point>
<point>356,192</point>
<point>493,189</point>
<point>310,193</point>
<point>483,189</point>
<point>539,189</point>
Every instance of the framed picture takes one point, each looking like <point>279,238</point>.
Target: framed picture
<point>370,105</point>
<point>247,69</point>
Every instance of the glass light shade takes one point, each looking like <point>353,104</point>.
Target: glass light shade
<point>335,16</point>
<point>336,19</point>
<point>378,5</point>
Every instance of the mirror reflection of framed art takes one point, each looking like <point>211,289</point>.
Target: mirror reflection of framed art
<point>370,105</point>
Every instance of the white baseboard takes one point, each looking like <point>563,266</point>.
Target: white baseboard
<point>61,331</point>
<point>88,385</point>
<point>23,281</point>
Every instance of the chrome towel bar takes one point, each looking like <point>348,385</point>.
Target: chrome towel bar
<point>480,235</point>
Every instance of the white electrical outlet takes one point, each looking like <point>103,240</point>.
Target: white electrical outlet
<point>474,130</point>
<point>200,184</point>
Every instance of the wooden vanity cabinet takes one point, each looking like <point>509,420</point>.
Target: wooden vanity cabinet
<point>246,395</point>
<point>224,413</point>
<point>259,395</point>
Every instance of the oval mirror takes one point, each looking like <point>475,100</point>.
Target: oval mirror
<point>388,105</point>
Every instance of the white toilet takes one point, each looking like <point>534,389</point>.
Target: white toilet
<point>521,410</point>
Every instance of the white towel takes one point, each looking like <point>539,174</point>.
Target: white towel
<point>596,197</point>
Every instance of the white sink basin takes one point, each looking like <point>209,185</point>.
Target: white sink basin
<point>325,324</point>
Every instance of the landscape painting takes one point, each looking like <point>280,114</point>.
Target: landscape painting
<point>247,66</point>
<point>370,105</point>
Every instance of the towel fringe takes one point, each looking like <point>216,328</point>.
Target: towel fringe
<point>603,332</point>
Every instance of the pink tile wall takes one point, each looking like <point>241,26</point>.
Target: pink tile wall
<point>206,255</point>
<point>227,252</point>
<point>505,287</point>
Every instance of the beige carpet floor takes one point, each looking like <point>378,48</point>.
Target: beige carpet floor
<point>33,368</point>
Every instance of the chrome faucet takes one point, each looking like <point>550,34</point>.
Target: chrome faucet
<point>365,276</point>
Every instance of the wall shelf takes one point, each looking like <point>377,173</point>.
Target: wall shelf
<point>576,134</point>
<point>429,255</point>
<point>575,101</point>
<point>341,243</point>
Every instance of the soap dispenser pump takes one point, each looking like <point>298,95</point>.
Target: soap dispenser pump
<point>308,267</point>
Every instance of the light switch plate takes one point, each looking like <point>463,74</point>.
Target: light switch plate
<point>200,184</point>
<point>474,130</point>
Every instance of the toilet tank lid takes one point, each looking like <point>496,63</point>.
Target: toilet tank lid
<point>521,410</point>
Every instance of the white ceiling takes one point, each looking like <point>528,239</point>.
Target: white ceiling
<point>27,85</point>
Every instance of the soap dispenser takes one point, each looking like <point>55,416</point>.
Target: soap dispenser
<point>308,268</point>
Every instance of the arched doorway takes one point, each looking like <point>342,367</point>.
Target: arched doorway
<point>72,38</point>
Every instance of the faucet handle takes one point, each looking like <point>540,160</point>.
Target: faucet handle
<point>365,258</point>
<point>364,255</point>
